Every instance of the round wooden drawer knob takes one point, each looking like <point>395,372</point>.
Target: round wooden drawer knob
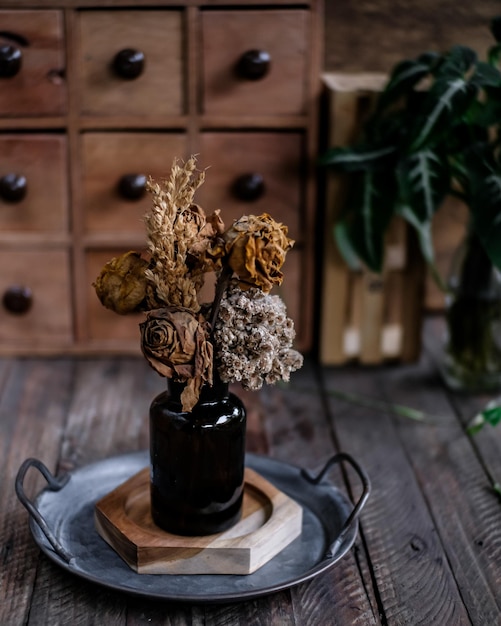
<point>10,61</point>
<point>254,64</point>
<point>13,187</point>
<point>129,63</point>
<point>132,186</point>
<point>18,299</point>
<point>249,187</point>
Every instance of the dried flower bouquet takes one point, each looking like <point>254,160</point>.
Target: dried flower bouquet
<point>244,332</point>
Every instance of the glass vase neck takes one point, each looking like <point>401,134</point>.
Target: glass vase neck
<point>218,390</point>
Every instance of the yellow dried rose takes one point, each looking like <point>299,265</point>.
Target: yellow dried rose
<point>256,247</point>
<point>175,341</point>
<point>122,285</point>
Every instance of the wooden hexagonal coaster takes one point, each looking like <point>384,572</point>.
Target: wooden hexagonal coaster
<point>270,521</point>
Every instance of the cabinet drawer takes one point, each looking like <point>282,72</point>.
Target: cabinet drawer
<point>35,291</point>
<point>107,159</point>
<point>232,83</point>
<point>33,183</point>
<point>32,77</point>
<point>110,85</point>
<point>240,162</point>
<point>102,324</point>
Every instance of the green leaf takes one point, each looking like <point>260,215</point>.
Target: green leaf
<point>406,75</point>
<point>486,76</point>
<point>423,230</point>
<point>357,158</point>
<point>369,208</point>
<point>431,59</point>
<point>484,113</point>
<point>383,130</point>
<point>494,55</point>
<point>424,180</point>
<point>458,62</point>
<point>345,247</point>
<point>444,106</point>
<point>490,415</point>
<point>476,424</point>
<point>425,240</point>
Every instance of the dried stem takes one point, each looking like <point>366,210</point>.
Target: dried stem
<point>221,285</point>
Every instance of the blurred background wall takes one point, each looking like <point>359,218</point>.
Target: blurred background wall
<point>371,35</point>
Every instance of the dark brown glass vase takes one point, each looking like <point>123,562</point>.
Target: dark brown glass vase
<point>197,460</point>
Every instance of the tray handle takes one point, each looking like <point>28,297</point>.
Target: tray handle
<point>343,456</point>
<point>55,484</point>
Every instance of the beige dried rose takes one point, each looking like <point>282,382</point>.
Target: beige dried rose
<point>256,247</point>
<point>175,341</point>
<point>122,285</point>
<point>200,256</point>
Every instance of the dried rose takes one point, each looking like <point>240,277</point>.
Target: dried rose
<point>256,249</point>
<point>199,257</point>
<point>122,285</point>
<point>175,341</point>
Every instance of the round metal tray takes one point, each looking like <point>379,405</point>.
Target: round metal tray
<point>62,524</point>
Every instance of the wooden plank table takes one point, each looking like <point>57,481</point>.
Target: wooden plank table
<point>429,547</point>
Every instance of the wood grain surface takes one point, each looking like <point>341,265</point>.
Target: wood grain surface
<point>282,35</point>
<point>158,36</point>
<point>38,88</point>
<point>44,208</point>
<point>428,547</point>
<point>270,521</point>
<point>372,35</point>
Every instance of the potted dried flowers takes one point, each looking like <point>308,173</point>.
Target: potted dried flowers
<point>197,428</point>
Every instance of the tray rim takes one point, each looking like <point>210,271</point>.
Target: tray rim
<point>325,563</point>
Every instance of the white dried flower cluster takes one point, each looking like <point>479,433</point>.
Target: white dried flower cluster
<point>253,339</point>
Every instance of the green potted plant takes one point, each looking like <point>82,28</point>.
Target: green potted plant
<point>436,130</point>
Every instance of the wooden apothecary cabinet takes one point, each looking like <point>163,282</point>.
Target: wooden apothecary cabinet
<point>93,98</point>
